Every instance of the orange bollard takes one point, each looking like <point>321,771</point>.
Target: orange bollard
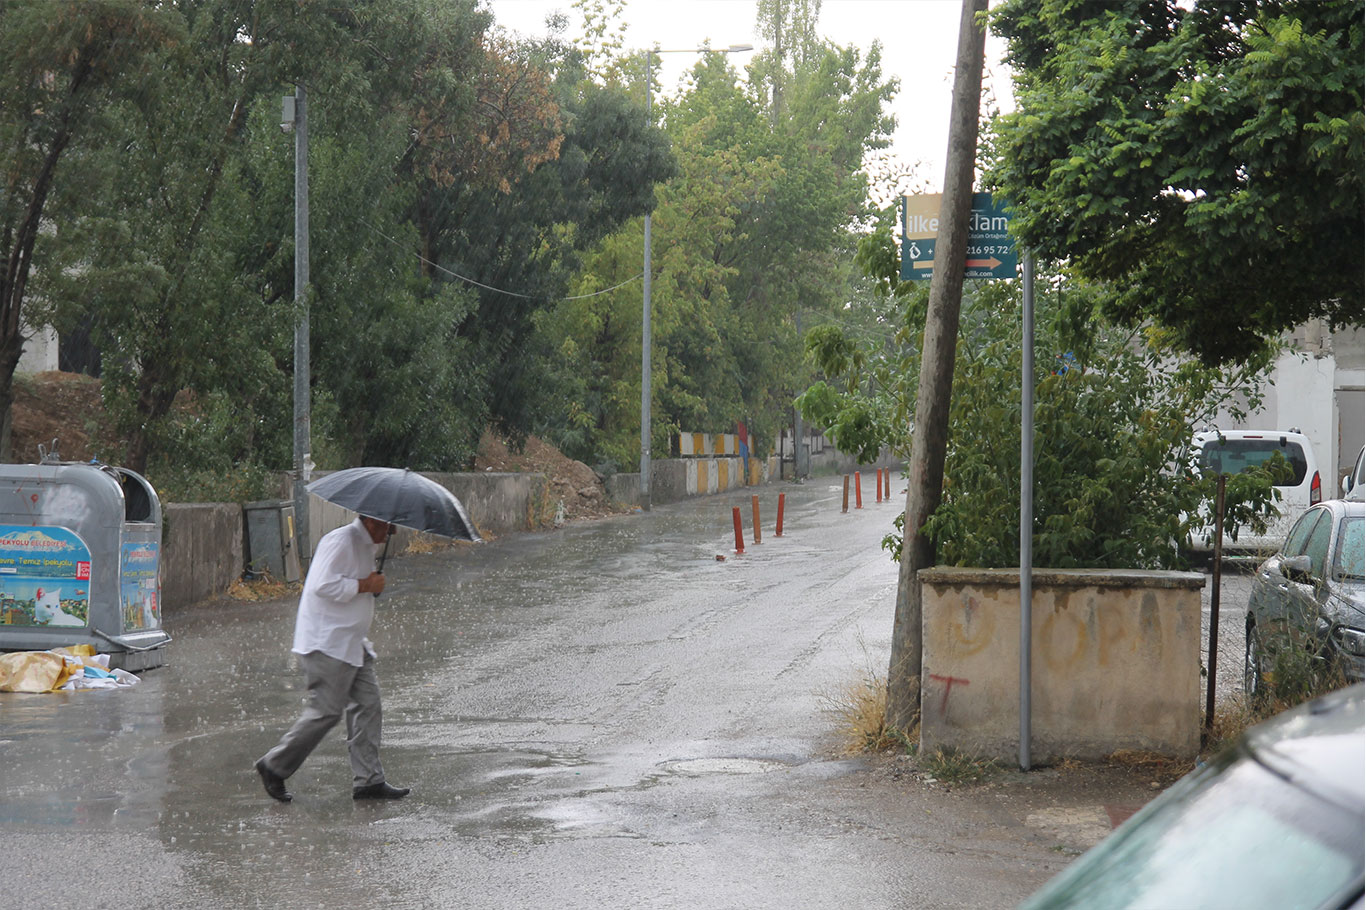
<point>779,531</point>
<point>858,491</point>
<point>754,501</point>
<point>879,484</point>
<point>739,532</point>
<point>846,494</point>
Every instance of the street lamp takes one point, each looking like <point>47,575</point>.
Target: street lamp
<point>294,116</point>
<point>645,312</point>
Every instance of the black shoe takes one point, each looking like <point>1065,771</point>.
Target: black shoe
<point>275,784</point>
<point>380,790</point>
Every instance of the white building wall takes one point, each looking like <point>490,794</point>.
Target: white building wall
<point>1317,389</point>
<point>1305,401</point>
<point>40,352</point>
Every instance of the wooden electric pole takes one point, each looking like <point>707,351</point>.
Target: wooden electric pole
<point>930,438</point>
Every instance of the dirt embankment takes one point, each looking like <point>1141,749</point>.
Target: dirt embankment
<point>66,407</point>
<point>571,482</point>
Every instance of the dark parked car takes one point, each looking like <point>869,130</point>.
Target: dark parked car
<point>1274,823</point>
<point>1309,598</point>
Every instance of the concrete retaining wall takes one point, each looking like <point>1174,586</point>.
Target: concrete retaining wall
<point>1116,662</point>
<point>202,551</point>
<point>497,503</point>
<point>203,544</point>
<point>677,479</point>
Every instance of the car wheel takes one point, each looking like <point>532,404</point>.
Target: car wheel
<point>1253,684</point>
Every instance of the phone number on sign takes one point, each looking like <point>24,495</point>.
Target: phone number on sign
<point>989,250</point>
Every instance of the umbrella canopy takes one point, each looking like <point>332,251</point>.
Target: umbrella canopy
<point>398,496</point>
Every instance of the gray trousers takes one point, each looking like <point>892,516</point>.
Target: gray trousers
<point>335,689</point>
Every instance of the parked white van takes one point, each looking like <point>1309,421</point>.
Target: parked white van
<point>1231,451</point>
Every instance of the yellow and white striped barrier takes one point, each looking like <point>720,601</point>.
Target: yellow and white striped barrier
<point>702,445</point>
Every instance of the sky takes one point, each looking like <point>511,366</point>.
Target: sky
<point>919,42</point>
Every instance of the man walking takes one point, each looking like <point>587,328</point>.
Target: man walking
<point>335,612</point>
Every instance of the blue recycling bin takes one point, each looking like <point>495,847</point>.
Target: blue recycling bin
<point>80,562</point>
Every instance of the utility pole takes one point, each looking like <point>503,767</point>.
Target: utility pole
<point>296,118</point>
<point>930,439</point>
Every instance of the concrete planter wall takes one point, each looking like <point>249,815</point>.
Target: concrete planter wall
<point>1115,662</point>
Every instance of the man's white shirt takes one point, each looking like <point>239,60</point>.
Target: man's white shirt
<point>334,616</point>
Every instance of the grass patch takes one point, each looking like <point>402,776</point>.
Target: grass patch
<point>1293,671</point>
<point>860,709</point>
<point>1158,767</point>
<point>958,768</point>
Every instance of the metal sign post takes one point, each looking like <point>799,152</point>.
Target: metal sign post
<point>1026,506</point>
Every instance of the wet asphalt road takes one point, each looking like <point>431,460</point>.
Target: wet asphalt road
<point>600,716</point>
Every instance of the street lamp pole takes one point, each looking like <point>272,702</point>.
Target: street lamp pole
<point>645,336</point>
<point>295,117</point>
<point>645,332</point>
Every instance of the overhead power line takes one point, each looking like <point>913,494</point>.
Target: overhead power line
<point>488,287</point>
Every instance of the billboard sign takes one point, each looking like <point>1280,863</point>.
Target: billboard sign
<point>990,253</point>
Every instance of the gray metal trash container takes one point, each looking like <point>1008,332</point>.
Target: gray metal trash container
<point>80,562</point>
<point>270,539</point>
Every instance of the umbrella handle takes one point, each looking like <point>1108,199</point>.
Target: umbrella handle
<point>385,554</point>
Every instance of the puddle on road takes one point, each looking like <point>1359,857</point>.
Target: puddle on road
<point>696,767</point>
<point>532,764</point>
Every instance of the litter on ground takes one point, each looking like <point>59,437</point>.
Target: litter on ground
<point>61,669</point>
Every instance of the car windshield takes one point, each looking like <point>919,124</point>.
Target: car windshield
<point>1274,846</point>
<point>1348,563</point>
<point>1233,456</point>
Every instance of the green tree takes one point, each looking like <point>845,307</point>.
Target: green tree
<point>753,231</point>
<point>160,272</point>
<point>520,238</point>
<point>1206,158</point>
<point>55,76</point>
<point>789,27</point>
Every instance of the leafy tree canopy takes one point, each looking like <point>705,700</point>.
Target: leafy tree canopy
<point>1205,157</point>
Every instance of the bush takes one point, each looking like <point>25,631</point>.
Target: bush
<point>205,452</point>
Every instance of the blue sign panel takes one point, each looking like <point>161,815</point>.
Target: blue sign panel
<point>139,588</point>
<point>44,577</point>
<point>990,252</point>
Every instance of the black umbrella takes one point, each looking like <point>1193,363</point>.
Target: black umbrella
<point>398,496</point>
